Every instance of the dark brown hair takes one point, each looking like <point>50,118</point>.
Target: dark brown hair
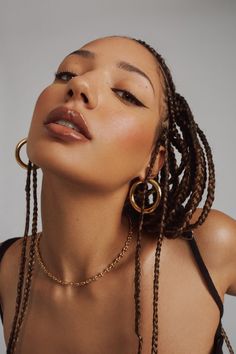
<point>187,173</point>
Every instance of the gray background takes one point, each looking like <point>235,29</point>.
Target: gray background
<point>197,38</point>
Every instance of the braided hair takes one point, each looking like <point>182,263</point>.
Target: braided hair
<point>183,184</point>
<point>21,304</point>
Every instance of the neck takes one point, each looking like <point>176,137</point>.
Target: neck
<point>82,232</point>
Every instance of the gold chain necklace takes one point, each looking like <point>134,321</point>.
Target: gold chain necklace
<point>95,277</point>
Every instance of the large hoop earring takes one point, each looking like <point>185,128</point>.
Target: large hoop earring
<point>17,154</point>
<point>133,202</point>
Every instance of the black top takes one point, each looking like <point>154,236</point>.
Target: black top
<point>218,340</point>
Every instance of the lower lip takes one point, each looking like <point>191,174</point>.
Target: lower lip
<point>65,133</point>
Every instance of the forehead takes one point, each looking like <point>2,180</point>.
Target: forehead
<point>119,48</point>
<point>111,50</point>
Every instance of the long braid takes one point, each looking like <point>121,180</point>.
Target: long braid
<point>155,328</point>
<point>137,281</point>
<point>30,266</point>
<point>22,261</point>
<point>137,294</point>
<point>211,185</point>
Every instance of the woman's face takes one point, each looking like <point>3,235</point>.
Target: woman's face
<point>115,84</point>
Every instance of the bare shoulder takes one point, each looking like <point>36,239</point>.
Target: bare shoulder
<point>11,254</point>
<point>216,239</point>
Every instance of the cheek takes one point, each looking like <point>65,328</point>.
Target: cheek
<point>130,140</point>
<point>133,133</point>
<point>44,104</point>
<point>136,137</point>
<point>45,100</point>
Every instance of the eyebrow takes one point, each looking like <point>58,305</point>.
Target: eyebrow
<point>84,53</point>
<point>121,65</point>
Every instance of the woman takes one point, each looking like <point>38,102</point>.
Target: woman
<point>117,267</point>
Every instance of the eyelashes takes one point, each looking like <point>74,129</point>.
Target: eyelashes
<point>129,97</point>
<point>64,75</point>
<point>124,95</point>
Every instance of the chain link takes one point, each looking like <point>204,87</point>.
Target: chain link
<point>93,278</point>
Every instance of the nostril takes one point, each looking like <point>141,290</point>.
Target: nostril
<point>70,93</point>
<point>84,97</point>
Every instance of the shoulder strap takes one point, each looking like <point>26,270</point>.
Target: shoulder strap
<point>6,244</point>
<point>218,341</point>
<point>204,271</point>
<point>3,248</point>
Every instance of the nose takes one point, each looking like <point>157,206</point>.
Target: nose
<point>81,89</point>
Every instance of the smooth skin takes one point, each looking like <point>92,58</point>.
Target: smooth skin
<point>84,184</point>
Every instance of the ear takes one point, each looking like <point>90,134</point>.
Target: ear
<point>158,164</point>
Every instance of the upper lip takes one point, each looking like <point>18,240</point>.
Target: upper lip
<point>70,115</point>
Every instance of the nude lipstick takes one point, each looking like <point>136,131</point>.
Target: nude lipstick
<point>67,124</point>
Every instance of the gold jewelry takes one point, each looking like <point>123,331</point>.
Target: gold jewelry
<point>17,154</point>
<point>133,202</point>
<point>95,277</point>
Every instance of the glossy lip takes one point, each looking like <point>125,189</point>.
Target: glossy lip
<point>70,115</point>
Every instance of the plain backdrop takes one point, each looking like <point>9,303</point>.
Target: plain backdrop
<point>197,39</point>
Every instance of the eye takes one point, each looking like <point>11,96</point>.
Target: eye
<point>129,97</point>
<point>64,75</point>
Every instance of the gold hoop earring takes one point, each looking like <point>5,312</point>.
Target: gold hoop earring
<point>151,208</point>
<point>17,154</point>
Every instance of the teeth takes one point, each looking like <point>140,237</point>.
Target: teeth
<point>66,123</point>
